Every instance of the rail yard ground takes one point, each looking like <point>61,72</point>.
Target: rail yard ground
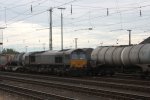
<point>73,88</point>
<point>5,95</point>
<point>103,52</point>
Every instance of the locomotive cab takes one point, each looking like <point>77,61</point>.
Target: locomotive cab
<point>78,60</point>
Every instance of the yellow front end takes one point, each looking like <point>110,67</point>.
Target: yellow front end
<point>78,63</point>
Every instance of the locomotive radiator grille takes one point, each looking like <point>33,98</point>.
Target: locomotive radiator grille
<point>78,63</point>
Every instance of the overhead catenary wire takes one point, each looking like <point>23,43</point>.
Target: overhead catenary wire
<point>25,11</point>
<point>21,4</point>
<point>120,14</point>
<point>104,16</point>
<point>87,19</point>
<point>75,0</point>
<point>118,23</point>
<point>38,12</point>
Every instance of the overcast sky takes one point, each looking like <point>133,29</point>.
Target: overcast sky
<point>109,20</point>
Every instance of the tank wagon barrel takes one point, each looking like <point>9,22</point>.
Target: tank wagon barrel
<point>137,55</point>
<point>126,56</point>
<point>107,55</point>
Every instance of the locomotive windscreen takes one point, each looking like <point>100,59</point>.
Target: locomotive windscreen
<point>78,55</point>
<point>82,55</point>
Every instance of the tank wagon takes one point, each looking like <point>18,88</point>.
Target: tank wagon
<point>16,62</point>
<point>5,60</point>
<point>138,55</point>
<point>108,58</point>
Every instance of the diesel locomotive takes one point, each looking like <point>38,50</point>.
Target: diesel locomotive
<point>70,61</point>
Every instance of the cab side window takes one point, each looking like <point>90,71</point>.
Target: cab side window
<point>32,58</point>
<point>58,59</point>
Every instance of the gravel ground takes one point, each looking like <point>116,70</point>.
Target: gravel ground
<point>4,95</point>
<point>76,95</point>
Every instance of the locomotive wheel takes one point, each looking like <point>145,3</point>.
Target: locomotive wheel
<point>20,70</point>
<point>77,73</point>
<point>103,73</point>
<point>144,74</point>
<point>110,72</point>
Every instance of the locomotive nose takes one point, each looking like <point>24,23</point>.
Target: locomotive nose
<point>78,63</point>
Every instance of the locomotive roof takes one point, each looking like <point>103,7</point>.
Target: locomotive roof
<point>59,52</point>
<point>73,50</point>
<point>88,50</point>
<point>27,54</point>
<point>53,52</point>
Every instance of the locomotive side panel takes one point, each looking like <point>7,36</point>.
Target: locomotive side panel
<point>45,59</point>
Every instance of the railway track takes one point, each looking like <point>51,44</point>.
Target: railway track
<point>93,80</point>
<point>37,95</point>
<point>106,87</point>
<point>131,76</point>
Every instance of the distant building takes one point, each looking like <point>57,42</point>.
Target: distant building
<point>147,40</point>
<point>1,42</point>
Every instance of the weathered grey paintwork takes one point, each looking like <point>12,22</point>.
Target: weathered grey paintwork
<point>117,56</point>
<point>137,55</point>
<point>49,57</point>
<point>123,55</point>
<point>107,55</point>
